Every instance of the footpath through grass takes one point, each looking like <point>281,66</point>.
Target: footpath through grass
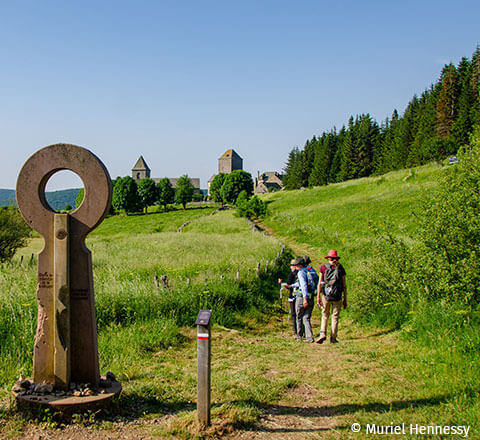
<point>438,382</point>
<point>265,385</point>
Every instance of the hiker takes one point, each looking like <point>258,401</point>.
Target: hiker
<point>330,289</point>
<point>292,276</point>
<point>304,289</point>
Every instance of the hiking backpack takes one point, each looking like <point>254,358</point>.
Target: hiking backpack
<point>333,283</point>
<point>312,279</point>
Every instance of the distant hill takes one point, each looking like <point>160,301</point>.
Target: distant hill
<point>56,199</point>
<point>7,197</point>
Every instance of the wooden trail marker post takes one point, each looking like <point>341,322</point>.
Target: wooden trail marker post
<point>203,367</point>
<point>65,349</point>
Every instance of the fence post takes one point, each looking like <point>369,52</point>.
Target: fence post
<point>203,367</point>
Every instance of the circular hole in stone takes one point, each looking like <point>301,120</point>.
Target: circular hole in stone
<point>62,191</point>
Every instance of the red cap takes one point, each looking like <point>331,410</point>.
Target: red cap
<point>332,254</point>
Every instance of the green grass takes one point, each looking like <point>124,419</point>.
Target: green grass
<point>426,374</point>
<point>340,216</point>
<point>152,222</point>
<point>435,352</point>
<point>201,267</point>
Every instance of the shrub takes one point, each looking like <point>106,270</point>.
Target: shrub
<point>253,208</point>
<point>13,232</point>
<point>439,264</point>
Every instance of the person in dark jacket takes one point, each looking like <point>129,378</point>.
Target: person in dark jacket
<point>292,276</point>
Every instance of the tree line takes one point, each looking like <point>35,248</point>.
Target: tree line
<point>433,126</point>
<point>128,196</point>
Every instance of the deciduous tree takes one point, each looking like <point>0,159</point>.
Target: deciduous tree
<point>125,195</point>
<point>234,183</point>
<point>147,192</point>
<point>215,188</point>
<point>13,232</point>
<point>165,192</point>
<point>184,191</point>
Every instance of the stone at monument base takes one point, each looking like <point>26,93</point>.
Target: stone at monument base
<point>68,404</point>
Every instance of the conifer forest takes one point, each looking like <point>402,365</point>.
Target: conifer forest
<point>433,126</point>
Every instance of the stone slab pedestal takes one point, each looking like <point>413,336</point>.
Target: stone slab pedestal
<point>67,405</point>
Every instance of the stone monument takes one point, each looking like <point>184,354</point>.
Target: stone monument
<point>65,361</point>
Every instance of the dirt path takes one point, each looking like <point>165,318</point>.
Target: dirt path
<point>315,408</point>
<point>332,384</point>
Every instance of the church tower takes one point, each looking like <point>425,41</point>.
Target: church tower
<point>229,161</point>
<point>140,170</point>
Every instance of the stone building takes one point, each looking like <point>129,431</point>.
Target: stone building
<point>267,181</point>
<point>227,162</point>
<point>141,171</point>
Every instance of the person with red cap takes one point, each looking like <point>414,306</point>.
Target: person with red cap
<point>331,288</point>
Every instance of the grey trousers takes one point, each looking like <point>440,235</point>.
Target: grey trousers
<point>303,317</point>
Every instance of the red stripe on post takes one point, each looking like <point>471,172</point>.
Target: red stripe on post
<point>203,338</point>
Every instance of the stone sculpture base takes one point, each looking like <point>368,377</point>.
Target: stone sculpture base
<point>67,405</point>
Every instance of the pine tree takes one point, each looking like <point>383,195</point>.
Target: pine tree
<point>447,101</point>
<point>365,141</point>
<point>426,117</point>
<point>335,166</point>
<point>319,174</point>
<point>388,144</point>
<point>475,81</point>
<point>348,168</point>
<point>463,124</point>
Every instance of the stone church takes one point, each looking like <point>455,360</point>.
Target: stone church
<point>263,183</point>
<point>227,162</point>
<point>141,171</point>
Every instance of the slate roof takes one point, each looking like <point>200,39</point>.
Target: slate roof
<point>141,165</point>
<point>230,153</point>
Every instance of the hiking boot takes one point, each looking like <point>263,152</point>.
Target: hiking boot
<point>321,339</point>
<point>333,341</point>
<point>298,338</point>
<point>309,340</point>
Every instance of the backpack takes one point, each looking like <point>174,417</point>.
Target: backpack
<point>333,288</point>
<point>312,279</point>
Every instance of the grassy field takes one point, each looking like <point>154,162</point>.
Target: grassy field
<point>341,216</point>
<point>201,264</point>
<point>265,385</point>
<point>440,359</point>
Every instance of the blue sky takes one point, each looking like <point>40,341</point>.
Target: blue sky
<point>181,81</point>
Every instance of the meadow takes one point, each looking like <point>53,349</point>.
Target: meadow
<point>376,225</point>
<point>382,374</point>
<point>134,313</point>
